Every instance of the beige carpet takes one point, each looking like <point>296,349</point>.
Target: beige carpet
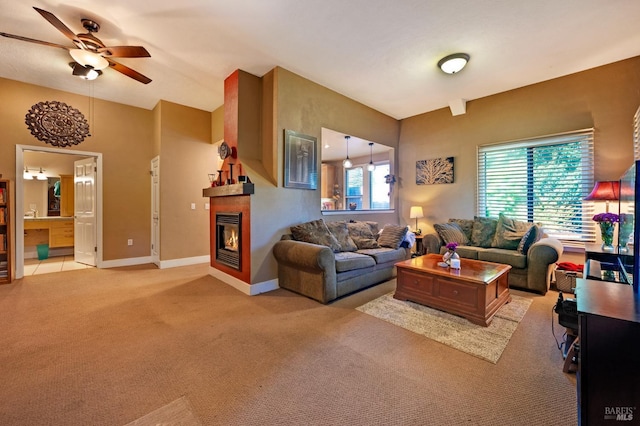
<point>486,343</point>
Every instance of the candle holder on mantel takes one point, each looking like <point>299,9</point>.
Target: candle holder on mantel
<point>212,179</point>
<point>219,177</point>
<point>230,175</point>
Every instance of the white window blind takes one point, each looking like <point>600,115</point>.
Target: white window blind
<point>542,180</point>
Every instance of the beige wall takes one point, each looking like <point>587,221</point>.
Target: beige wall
<point>306,107</point>
<point>121,133</point>
<point>186,158</point>
<point>604,98</point>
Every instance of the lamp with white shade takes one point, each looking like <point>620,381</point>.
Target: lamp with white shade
<point>416,213</point>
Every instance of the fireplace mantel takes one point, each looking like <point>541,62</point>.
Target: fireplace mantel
<point>228,190</point>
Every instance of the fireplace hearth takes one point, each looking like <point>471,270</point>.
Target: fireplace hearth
<point>229,238</point>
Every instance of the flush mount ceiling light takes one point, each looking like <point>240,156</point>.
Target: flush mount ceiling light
<point>347,163</point>
<point>371,167</point>
<point>453,63</point>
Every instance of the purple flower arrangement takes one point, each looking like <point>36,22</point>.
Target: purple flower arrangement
<point>452,246</point>
<point>606,217</point>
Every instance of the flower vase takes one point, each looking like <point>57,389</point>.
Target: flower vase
<point>448,255</point>
<point>606,231</point>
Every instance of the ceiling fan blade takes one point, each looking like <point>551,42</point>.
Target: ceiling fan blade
<point>125,52</point>
<point>33,40</point>
<point>128,71</point>
<point>61,27</point>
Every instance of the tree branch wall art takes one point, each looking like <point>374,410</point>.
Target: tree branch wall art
<point>434,171</point>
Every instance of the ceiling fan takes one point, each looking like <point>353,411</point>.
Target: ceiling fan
<point>90,53</point>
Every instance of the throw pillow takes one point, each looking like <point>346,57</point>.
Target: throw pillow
<point>466,225</point>
<point>484,228</point>
<point>392,236</point>
<point>531,236</point>
<point>451,233</point>
<point>509,232</point>
<point>360,233</point>
<point>315,232</point>
<point>340,231</point>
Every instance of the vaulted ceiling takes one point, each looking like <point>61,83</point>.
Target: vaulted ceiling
<point>379,52</point>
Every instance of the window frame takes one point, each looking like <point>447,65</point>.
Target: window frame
<point>586,229</point>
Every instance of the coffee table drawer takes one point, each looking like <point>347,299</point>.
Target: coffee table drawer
<point>458,293</point>
<point>412,283</point>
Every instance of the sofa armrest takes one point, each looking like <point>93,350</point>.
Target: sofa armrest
<point>431,243</point>
<point>308,269</point>
<point>541,259</point>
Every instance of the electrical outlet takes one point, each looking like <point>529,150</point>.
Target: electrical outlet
<point>129,242</point>
<point>206,206</point>
<point>193,206</point>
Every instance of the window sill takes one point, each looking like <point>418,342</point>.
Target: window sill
<point>350,212</point>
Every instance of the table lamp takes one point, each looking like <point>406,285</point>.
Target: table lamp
<point>605,191</point>
<point>415,213</point>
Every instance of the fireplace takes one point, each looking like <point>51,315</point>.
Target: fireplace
<point>229,239</point>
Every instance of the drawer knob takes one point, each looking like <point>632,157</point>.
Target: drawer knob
<point>455,292</point>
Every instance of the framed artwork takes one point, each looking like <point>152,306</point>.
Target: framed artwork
<point>300,161</point>
<point>434,171</point>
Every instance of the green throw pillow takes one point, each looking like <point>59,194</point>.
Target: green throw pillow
<point>484,228</point>
<point>509,232</point>
<point>362,235</point>
<point>341,232</point>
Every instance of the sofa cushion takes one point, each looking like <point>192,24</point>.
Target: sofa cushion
<point>349,261</point>
<point>466,225</point>
<point>484,228</point>
<point>315,232</point>
<point>384,254</point>
<point>506,257</point>
<point>451,233</point>
<point>509,232</point>
<point>468,252</point>
<point>531,236</point>
<point>341,232</point>
<point>392,236</point>
<point>362,235</point>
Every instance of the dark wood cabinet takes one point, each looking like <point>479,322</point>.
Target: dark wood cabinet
<point>608,382</point>
<point>5,232</point>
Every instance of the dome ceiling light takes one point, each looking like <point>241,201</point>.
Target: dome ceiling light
<point>453,63</point>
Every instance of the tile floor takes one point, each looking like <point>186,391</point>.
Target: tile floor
<point>52,264</point>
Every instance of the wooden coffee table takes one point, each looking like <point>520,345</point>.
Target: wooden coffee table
<point>475,291</point>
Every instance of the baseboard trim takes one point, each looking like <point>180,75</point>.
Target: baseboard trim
<point>248,289</point>
<point>186,261</point>
<point>131,261</point>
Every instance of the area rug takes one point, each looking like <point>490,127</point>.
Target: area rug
<point>486,343</point>
<point>176,413</point>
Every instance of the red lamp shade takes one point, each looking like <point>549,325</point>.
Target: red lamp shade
<point>605,191</point>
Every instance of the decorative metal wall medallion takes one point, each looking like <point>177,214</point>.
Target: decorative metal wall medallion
<point>57,123</point>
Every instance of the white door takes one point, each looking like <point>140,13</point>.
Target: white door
<point>85,211</point>
<point>155,211</point>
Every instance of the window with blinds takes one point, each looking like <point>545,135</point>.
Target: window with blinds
<point>542,180</point>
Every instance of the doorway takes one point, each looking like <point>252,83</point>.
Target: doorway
<point>21,207</point>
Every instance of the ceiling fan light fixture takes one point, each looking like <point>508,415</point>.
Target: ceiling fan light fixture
<point>86,73</point>
<point>454,63</point>
<point>87,58</point>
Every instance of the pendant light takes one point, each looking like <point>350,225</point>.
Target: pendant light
<point>371,167</point>
<point>347,163</point>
